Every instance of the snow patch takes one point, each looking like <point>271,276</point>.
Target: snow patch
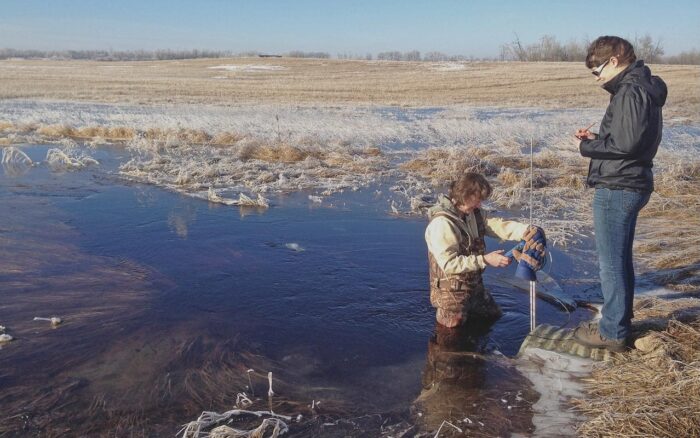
<point>248,67</point>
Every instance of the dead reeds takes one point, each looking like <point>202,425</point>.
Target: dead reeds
<point>651,391</point>
<point>668,239</point>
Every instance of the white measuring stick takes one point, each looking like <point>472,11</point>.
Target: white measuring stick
<point>533,284</point>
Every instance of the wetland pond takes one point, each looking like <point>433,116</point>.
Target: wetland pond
<point>173,306</point>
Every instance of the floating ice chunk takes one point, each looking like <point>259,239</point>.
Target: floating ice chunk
<point>54,320</point>
<point>213,197</point>
<point>5,338</point>
<point>294,247</point>
<point>243,200</point>
<point>316,199</point>
<point>2,329</point>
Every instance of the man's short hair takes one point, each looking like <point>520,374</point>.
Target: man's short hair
<point>605,47</point>
<point>470,185</point>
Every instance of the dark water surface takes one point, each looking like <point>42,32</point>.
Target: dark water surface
<point>169,300</point>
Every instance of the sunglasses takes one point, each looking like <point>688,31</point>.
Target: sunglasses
<point>599,69</point>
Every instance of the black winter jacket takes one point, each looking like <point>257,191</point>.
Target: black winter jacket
<point>630,133</point>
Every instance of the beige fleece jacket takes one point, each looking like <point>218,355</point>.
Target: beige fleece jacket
<point>443,238</point>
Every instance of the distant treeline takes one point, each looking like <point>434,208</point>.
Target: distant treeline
<point>105,55</point>
<point>646,47</point>
<point>547,48</point>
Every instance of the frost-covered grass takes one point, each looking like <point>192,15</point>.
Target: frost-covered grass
<point>250,153</point>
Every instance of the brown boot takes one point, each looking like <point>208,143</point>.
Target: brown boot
<point>588,334</point>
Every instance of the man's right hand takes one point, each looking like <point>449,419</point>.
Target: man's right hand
<point>496,259</point>
<point>585,134</point>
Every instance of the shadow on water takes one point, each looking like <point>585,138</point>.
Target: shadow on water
<point>169,301</point>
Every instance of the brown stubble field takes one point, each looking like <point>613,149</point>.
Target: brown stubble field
<point>330,82</point>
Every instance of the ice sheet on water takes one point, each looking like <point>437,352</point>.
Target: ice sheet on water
<point>558,379</point>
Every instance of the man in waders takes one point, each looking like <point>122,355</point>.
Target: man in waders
<point>456,251</point>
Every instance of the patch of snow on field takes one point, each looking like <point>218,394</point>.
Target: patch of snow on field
<point>248,67</point>
<point>446,66</point>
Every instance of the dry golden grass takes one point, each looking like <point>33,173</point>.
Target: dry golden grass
<point>440,165</point>
<point>226,138</point>
<point>191,136</point>
<point>57,131</point>
<point>651,391</point>
<point>275,153</point>
<point>668,238</point>
<point>313,81</point>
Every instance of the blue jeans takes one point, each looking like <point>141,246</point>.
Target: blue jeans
<point>615,218</point>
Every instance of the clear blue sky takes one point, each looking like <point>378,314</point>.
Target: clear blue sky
<point>476,28</point>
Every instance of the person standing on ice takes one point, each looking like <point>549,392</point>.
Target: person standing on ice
<point>620,171</point>
<point>456,251</point>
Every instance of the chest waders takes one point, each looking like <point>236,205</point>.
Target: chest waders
<point>461,296</point>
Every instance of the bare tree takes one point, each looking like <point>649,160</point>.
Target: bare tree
<point>648,49</point>
<point>690,57</point>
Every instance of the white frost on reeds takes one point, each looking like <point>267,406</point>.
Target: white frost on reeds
<point>270,392</point>
<point>13,156</point>
<point>57,159</point>
<point>257,150</point>
<point>207,420</point>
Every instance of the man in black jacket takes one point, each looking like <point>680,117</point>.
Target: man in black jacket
<point>620,171</point>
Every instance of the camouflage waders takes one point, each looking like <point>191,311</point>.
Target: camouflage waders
<point>457,297</point>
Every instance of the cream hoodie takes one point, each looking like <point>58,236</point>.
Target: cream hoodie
<point>443,236</point>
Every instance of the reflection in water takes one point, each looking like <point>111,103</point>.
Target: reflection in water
<point>180,218</point>
<point>15,169</point>
<point>478,391</point>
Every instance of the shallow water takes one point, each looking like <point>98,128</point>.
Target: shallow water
<point>168,300</point>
